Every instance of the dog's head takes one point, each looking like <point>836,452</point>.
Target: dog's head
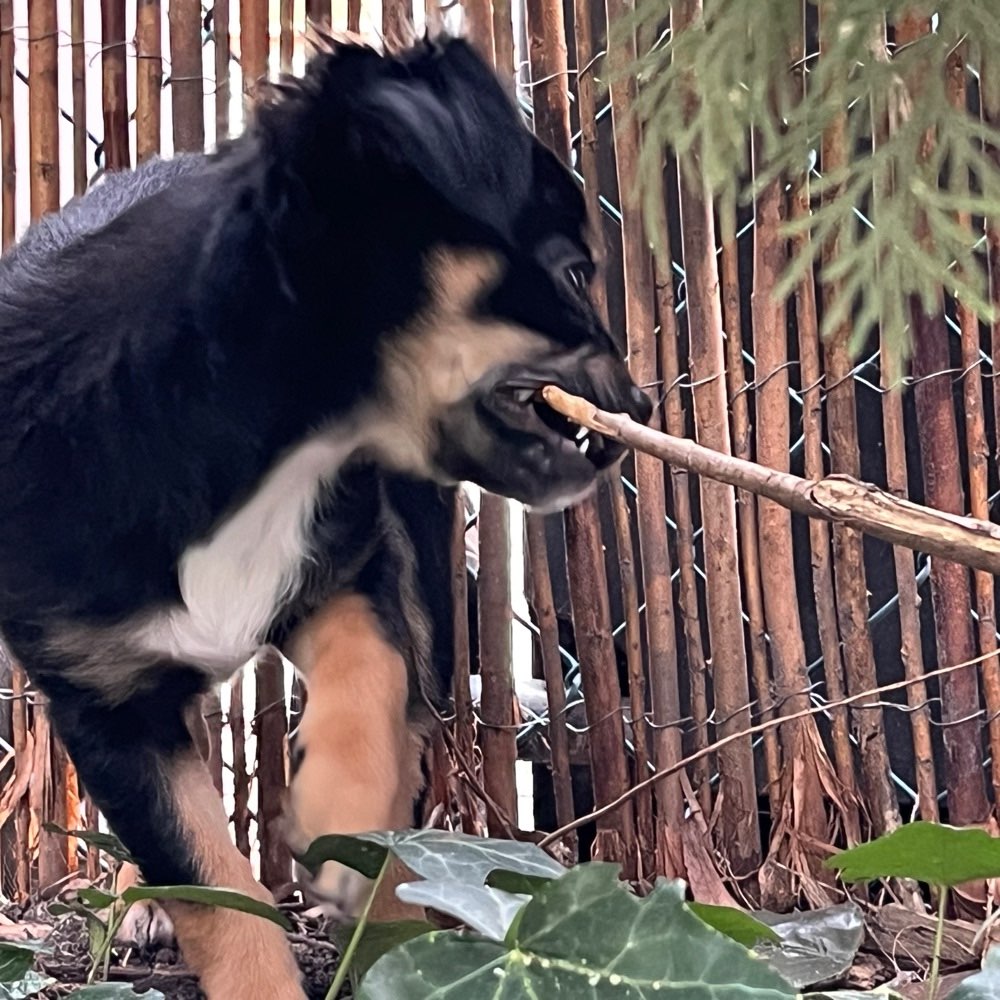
<point>480,270</point>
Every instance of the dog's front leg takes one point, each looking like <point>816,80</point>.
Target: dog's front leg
<point>139,763</point>
<point>357,762</point>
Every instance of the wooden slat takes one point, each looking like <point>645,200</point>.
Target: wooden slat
<point>114,89</point>
<point>148,78</point>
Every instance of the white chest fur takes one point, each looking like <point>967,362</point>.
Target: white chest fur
<point>234,582</point>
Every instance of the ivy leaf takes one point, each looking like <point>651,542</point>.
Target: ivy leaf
<point>935,853</point>
<point>29,985</point>
<point>585,936</point>
<point>17,957</point>
<point>488,911</point>
<point>113,991</point>
<point>379,938</point>
<point>435,855</point>
<point>229,899</point>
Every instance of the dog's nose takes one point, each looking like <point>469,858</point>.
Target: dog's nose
<point>640,405</point>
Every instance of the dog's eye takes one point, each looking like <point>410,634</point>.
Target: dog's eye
<point>579,277</point>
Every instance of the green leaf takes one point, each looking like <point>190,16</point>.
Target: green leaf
<point>585,936</point>
<point>361,853</point>
<point>734,923</point>
<point>106,842</point>
<point>96,899</point>
<point>435,855</point>
<point>16,957</point>
<point>928,852</point>
<point>815,946</point>
<point>488,911</point>
<point>114,991</point>
<point>379,938</point>
<point>230,899</point>
<point>983,985</point>
<point>30,985</point>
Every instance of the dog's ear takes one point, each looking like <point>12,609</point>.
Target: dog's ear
<point>448,123</point>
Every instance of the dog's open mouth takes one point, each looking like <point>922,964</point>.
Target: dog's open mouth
<point>528,410</point>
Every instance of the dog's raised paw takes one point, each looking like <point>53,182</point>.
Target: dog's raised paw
<point>146,925</point>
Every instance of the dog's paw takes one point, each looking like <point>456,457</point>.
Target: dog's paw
<point>146,925</point>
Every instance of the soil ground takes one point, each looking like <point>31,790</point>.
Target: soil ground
<point>69,960</point>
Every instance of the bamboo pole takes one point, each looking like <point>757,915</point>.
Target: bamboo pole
<point>319,12</point>
<point>79,71</point>
<point>897,483</point>
<point>738,833</point>
<point>464,725</point>
<point>354,15</point>
<point>629,587</point>
<point>850,581</point>
<point>50,792</point>
<point>43,106</point>
<point>223,87</point>
<point>186,80</point>
<point>746,503</point>
<point>950,586</point>
<point>241,779</point>
<point>978,456</point>
<point>555,682</point>
<point>8,160</point>
<point>676,421</point>
<point>397,21</point>
<point>148,78</point>
<point>824,594</point>
<point>286,37</point>
<point>254,45</point>
<point>270,725</point>
<point>23,746</point>
<point>587,572</point>
<point>114,85</point>
<point>479,16</point>
<point>640,319</point>
<point>836,498</point>
<point>497,703</point>
<point>503,42</point>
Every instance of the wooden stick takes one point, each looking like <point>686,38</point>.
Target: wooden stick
<point>839,499</point>
<point>8,160</point>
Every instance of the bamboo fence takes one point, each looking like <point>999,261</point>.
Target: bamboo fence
<point>800,681</point>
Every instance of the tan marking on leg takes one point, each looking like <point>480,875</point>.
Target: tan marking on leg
<point>361,765</point>
<point>234,954</point>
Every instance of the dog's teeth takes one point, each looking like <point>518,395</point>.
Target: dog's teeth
<point>585,446</point>
<point>523,395</point>
<point>582,433</point>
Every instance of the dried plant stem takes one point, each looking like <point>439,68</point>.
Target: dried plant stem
<point>223,89</point>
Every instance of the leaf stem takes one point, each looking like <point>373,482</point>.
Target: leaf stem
<point>932,982</point>
<point>359,930</point>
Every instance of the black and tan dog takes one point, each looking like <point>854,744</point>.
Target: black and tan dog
<point>237,390</point>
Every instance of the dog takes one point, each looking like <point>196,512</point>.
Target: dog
<point>222,378</point>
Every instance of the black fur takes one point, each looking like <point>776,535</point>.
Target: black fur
<point>172,334</point>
